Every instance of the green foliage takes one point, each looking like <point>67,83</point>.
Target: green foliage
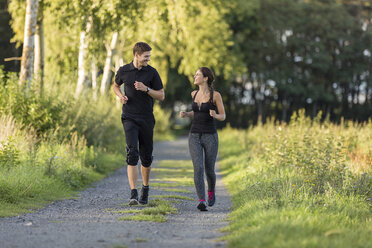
<point>9,154</point>
<point>163,124</point>
<point>27,107</point>
<point>298,184</point>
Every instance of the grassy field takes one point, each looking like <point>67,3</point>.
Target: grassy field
<point>53,145</point>
<point>304,184</point>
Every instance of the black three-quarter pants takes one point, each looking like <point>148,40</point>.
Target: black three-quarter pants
<point>139,137</point>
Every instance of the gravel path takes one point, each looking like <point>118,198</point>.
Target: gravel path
<point>85,221</point>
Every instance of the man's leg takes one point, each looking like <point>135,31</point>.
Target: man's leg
<point>145,172</point>
<point>132,172</point>
<point>145,138</point>
<point>131,135</point>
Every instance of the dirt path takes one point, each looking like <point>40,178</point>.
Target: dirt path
<point>86,221</point>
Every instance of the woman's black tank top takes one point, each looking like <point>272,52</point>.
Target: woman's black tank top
<point>203,122</point>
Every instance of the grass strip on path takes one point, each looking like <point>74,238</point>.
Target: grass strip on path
<point>161,205</point>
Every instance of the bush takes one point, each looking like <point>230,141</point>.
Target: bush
<point>9,154</point>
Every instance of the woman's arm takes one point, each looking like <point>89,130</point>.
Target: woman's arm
<point>221,116</point>
<point>184,114</point>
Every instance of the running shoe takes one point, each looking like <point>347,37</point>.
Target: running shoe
<point>144,195</point>
<point>202,206</point>
<point>133,197</point>
<point>211,198</point>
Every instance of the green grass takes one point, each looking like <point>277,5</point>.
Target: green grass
<point>141,217</point>
<point>178,171</point>
<point>175,164</point>
<point>158,208</point>
<point>175,190</point>
<point>181,197</point>
<point>155,211</point>
<point>132,206</point>
<point>131,211</point>
<point>119,246</point>
<point>180,181</point>
<point>25,188</point>
<point>298,185</point>
<point>165,174</point>
<point>159,185</point>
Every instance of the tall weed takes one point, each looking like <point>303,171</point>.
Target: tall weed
<point>306,176</point>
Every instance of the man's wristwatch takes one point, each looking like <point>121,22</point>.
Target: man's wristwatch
<point>148,89</point>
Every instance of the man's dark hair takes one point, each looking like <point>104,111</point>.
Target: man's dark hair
<point>141,47</point>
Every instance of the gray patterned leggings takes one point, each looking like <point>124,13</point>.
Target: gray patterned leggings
<point>203,150</point>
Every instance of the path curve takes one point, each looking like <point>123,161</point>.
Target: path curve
<point>85,222</point>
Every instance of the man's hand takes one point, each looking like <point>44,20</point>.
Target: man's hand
<point>183,114</point>
<point>123,99</point>
<point>140,86</point>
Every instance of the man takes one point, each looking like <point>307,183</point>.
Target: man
<point>142,84</point>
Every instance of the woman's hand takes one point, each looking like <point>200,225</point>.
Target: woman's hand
<point>212,113</point>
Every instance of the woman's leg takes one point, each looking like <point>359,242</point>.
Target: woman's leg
<point>196,152</point>
<point>210,144</point>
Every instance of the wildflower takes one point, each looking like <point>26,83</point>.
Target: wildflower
<point>293,185</point>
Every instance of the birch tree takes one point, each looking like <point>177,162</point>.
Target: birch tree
<point>28,43</point>
<point>39,48</point>
<point>107,73</point>
<point>82,73</point>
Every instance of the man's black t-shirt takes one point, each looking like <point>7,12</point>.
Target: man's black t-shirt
<point>139,103</point>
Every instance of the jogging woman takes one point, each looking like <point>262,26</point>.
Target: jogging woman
<point>203,138</point>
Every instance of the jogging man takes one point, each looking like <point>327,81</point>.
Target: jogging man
<point>142,84</point>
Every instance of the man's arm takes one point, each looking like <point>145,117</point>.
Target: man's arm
<point>123,99</point>
<point>156,94</point>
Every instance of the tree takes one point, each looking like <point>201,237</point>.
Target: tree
<point>39,47</point>
<point>107,73</point>
<point>28,43</point>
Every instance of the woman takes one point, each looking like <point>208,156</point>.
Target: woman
<point>203,138</point>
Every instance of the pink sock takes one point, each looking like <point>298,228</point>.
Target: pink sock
<point>210,194</point>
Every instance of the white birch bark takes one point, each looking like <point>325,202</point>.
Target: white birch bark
<point>82,73</point>
<point>28,42</point>
<point>39,54</point>
<point>94,78</point>
<point>119,62</point>
<point>107,73</point>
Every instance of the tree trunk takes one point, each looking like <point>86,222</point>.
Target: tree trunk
<point>259,112</point>
<point>82,74</point>
<point>314,110</point>
<point>119,62</point>
<point>94,79</point>
<point>285,106</point>
<point>39,54</point>
<point>28,43</point>
<point>107,73</point>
